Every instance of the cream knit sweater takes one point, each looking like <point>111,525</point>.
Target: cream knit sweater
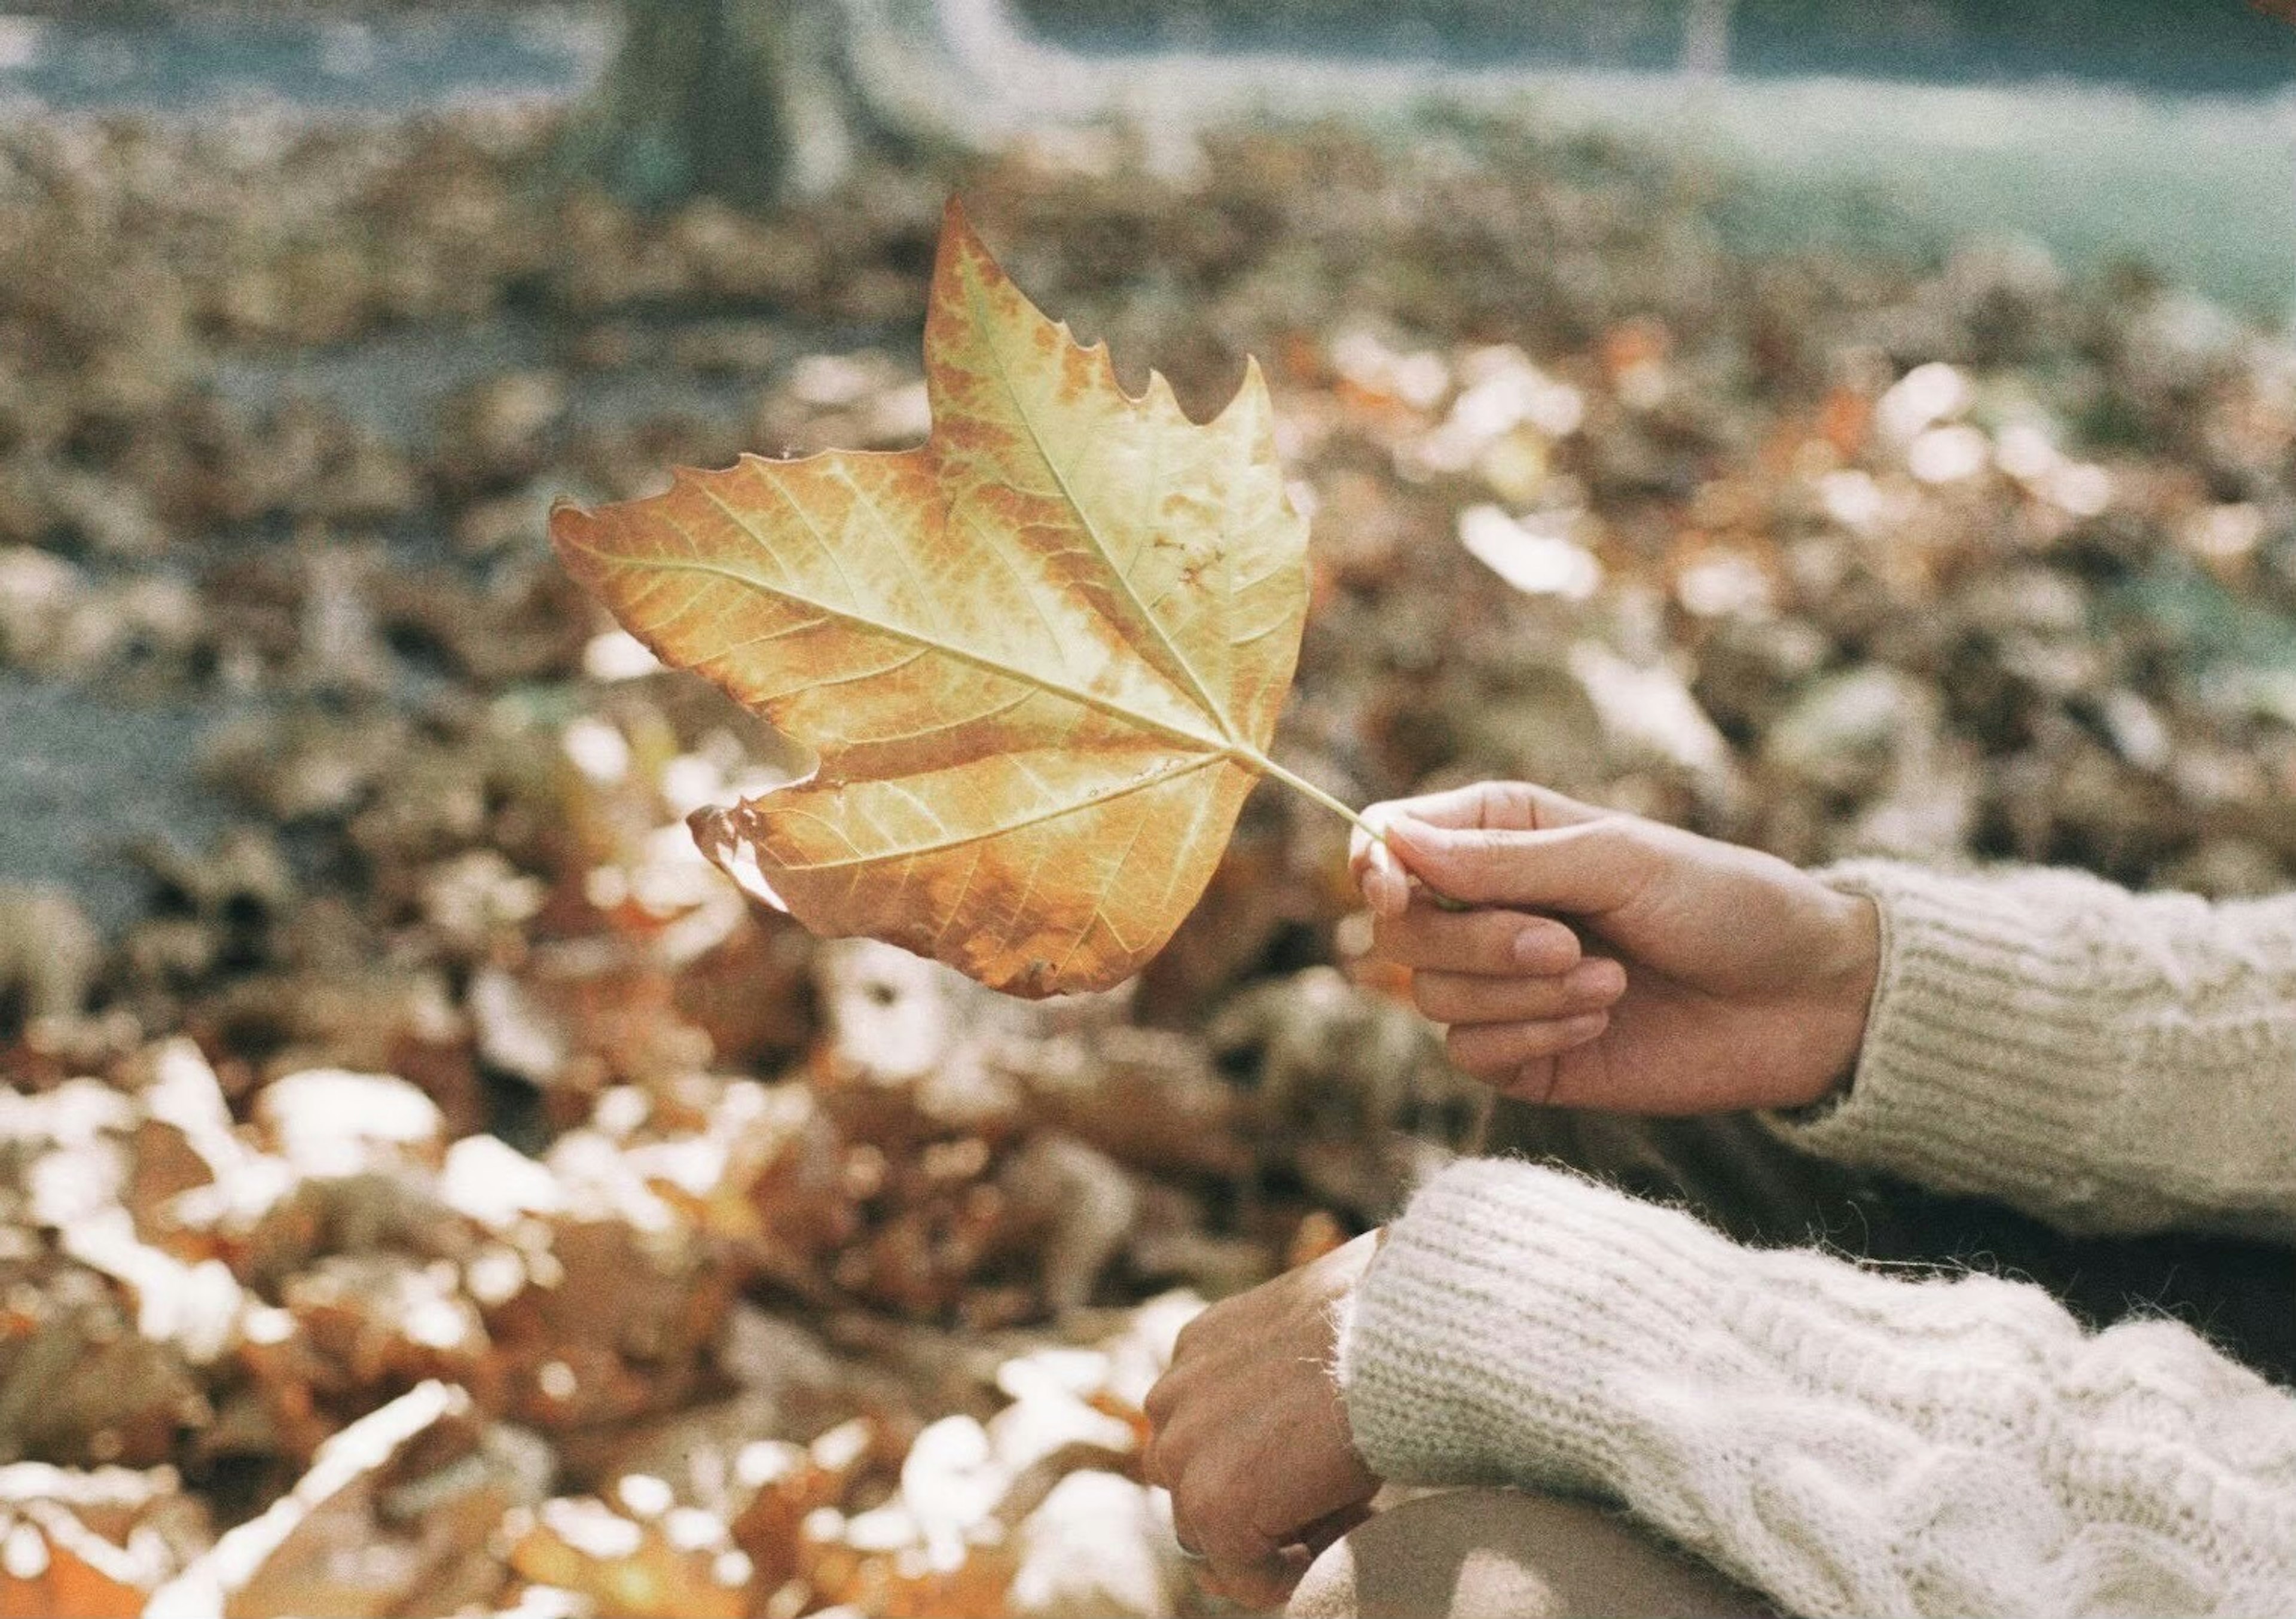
<point>1849,1443</point>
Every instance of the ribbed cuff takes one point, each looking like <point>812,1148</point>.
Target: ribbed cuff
<point>1512,1312</point>
<point>1988,1056</point>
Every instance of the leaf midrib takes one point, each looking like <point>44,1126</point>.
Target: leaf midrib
<point>1217,747</point>
<point>985,324</point>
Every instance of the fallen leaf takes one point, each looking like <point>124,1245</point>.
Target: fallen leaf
<point>1040,656</point>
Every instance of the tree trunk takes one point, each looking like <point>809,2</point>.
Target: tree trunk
<point>742,99</point>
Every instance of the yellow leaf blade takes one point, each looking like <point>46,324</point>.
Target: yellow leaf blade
<point>1039,658</point>
<point>1034,871</point>
<point>1170,528</point>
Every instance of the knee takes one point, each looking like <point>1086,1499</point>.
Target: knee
<point>1502,1554</point>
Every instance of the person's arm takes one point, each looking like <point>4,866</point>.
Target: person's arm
<point>1848,1442</point>
<point>2108,1061</point>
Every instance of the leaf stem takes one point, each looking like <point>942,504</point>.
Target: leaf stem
<point>1299,783</point>
<point>1266,766</point>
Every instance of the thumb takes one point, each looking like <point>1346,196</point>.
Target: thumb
<point>1590,867</point>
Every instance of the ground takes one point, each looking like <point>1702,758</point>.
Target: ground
<point>424,1173</point>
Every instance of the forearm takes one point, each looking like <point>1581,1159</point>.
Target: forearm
<point>2109,1062</point>
<point>1848,1442</point>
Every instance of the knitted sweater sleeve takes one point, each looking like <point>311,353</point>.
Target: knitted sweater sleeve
<point>2109,1062</point>
<point>1846,1442</point>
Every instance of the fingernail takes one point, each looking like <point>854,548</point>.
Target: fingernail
<point>1535,947</point>
<point>1583,1027</point>
<point>1590,978</point>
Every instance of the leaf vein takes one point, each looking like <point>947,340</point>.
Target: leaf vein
<point>979,660</point>
<point>1084,517</point>
<point>1157,778</point>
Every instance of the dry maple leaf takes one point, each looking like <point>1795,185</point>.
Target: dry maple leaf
<point>1039,657</point>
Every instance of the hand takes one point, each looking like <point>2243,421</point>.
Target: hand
<point>1251,1436</point>
<point>1696,977</point>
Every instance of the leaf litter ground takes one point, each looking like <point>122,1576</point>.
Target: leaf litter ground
<point>443,1161</point>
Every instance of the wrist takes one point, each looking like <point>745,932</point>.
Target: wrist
<point>1846,980</point>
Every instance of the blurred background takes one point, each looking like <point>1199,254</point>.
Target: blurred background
<point>1840,428</point>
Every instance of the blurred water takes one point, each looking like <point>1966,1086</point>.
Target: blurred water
<point>2184,47</point>
<point>2194,46</point>
<point>334,66</point>
<point>2202,186</point>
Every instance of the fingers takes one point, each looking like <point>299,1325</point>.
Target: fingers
<point>1318,1535</point>
<point>1225,1539</point>
<point>1471,998</point>
<point>1497,1053</point>
<point>1263,1587</point>
<point>1207,1518</point>
<point>1239,1560</point>
<point>1208,1522</point>
<point>1247,1430</point>
<point>1518,806</point>
<point>1163,1396</point>
<point>1504,942</point>
<point>1515,990</point>
<point>1386,886</point>
<point>1588,868</point>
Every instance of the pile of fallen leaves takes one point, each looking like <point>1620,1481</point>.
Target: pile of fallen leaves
<point>446,1194</point>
